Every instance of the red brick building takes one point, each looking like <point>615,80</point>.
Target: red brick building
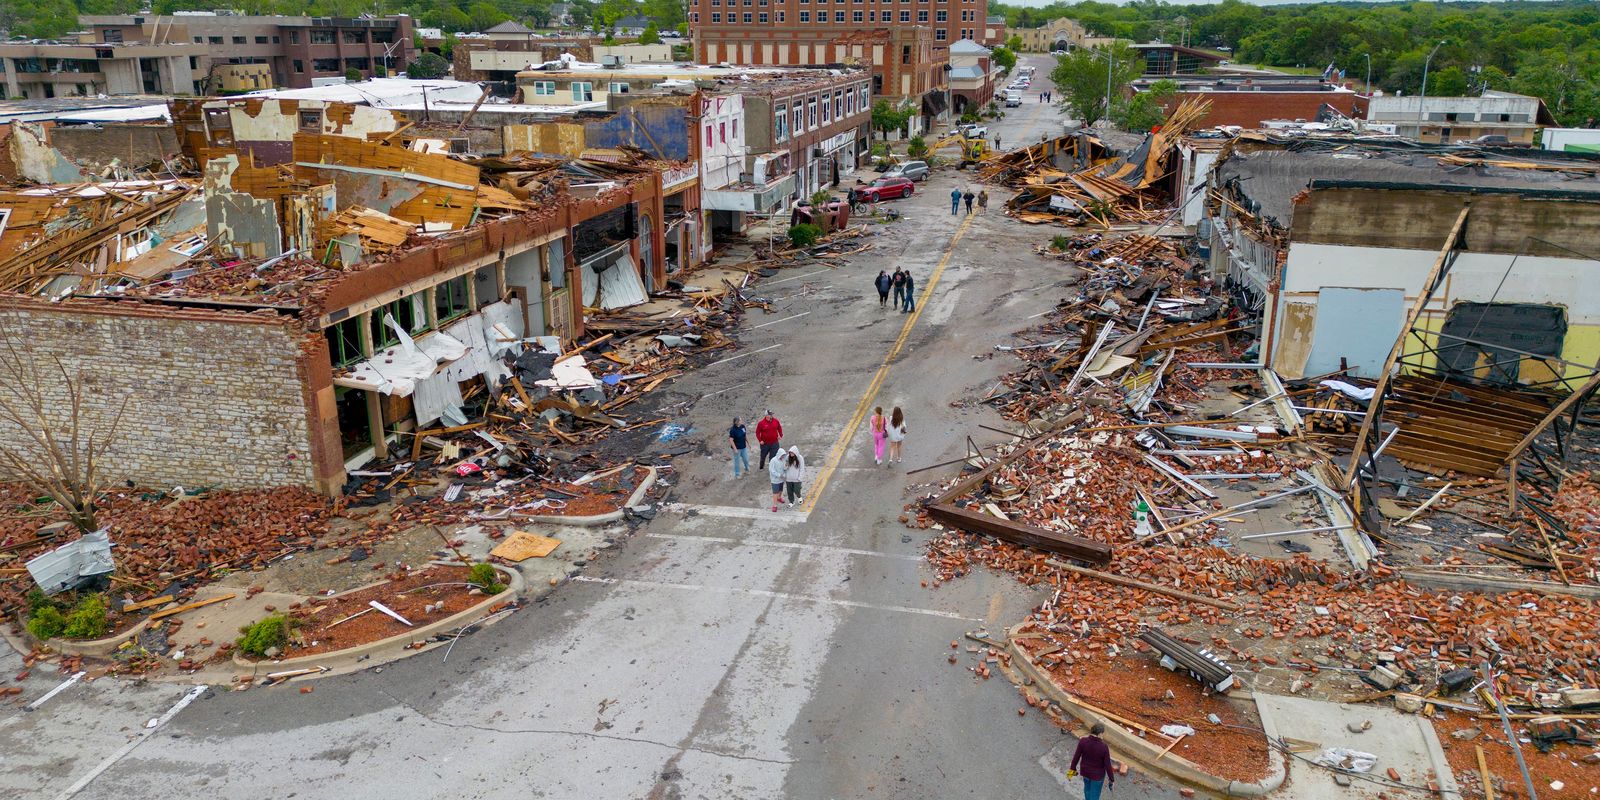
<point>1248,102</point>
<point>905,43</point>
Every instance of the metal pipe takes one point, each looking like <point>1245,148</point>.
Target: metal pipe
<point>1505,723</point>
<point>1296,531</point>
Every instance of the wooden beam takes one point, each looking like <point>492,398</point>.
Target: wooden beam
<point>1428,288</point>
<point>1064,544</point>
<point>1544,422</point>
<point>1141,585</point>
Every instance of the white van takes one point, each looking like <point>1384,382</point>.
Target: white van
<point>1013,98</point>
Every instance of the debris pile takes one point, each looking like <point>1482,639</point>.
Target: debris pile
<point>1130,189</point>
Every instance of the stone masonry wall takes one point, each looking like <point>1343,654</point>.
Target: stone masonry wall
<point>214,398</point>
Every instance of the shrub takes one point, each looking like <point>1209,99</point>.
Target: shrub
<point>47,623</point>
<point>88,620</point>
<point>880,149</point>
<point>917,148</point>
<point>484,577</point>
<point>969,116</point>
<point>804,235</point>
<point>260,636</point>
<point>37,599</point>
<point>821,197</point>
<point>352,75</point>
<point>1060,243</point>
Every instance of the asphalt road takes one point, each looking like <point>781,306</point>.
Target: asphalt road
<point>727,651</point>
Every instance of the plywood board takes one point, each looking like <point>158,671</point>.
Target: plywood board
<point>521,546</point>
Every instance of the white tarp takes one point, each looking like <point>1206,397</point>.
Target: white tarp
<point>1362,393</point>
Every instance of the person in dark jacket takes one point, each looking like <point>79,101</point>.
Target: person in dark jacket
<point>883,282</point>
<point>1092,762</point>
<point>969,197</point>
<point>898,281</point>
<point>911,297</point>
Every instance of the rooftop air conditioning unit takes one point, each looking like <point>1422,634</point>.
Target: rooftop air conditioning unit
<point>611,61</point>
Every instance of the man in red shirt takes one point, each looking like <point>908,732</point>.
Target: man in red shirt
<point>769,431</point>
<point>1092,761</point>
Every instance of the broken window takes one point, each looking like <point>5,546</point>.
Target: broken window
<point>617,87</point>
<point>407,312</point>
<point>1502,343</point>
<point>582,92</point>
<point>344,342</point>
<point>311,120</point>
<point>322,37</point>
<point>451,299</point>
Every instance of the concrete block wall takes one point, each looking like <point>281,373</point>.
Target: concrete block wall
<point>213,398</point>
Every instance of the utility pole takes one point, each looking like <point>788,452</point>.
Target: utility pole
<point>1369,75</point>
<point>1422,102</point>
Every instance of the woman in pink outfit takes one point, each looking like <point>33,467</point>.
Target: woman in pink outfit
<point>880,433</point>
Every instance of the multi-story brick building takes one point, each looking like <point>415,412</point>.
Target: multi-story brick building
<point>298,49</point>
<point>904,43</point>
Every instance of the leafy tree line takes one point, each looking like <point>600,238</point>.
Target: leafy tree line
<point>51,18</point>
<point>1547,49</point>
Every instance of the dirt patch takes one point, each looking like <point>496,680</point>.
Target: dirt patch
<point>1564,763</point>
<point>1135,687</point>
<point>411,595</point>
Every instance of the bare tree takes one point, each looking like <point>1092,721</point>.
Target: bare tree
<point>58,442</point>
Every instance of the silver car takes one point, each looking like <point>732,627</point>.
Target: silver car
<point>910,170</point>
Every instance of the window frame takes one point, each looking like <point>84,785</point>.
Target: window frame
<point>583,88</point>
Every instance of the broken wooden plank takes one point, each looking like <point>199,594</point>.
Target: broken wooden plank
<point>189,607</point>
<point>1148,587</point>
<point>1064,544</point>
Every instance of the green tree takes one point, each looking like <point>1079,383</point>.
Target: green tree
<point>484,16</point>
<point>1144,110</point>
<point>352,75</point>
<point>1081,76</point>
<point>1014,43</point>
<point>1005,57</point>
<point>428,65</point>
<point>650,35</point>
<point>886,117</point>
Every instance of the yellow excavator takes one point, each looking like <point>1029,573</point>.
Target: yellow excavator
<point>973,150</point>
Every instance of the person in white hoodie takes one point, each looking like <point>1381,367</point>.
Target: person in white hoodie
<point>794,473</point>
<point>776,466</point>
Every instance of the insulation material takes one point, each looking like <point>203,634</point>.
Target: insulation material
<point>614,285</point>
<point>572,373</point>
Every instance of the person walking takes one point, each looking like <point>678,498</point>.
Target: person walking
<point>775,469</point>
<point>969,197</point>
<point>883,282</point>
<point>880,433</point>
<point>911,297</point>
<point>896,433</point>
<point>738,440</point>
<point>769,431</point>
<point>1092,762</point>
<point>794,472</point>
<point>955,201</point>
<point>983,200</point>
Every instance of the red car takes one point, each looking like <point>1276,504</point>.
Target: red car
<point>885,189</point>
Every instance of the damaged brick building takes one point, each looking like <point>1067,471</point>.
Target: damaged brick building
<point>324,291</point>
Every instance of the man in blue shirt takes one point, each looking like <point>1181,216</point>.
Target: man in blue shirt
<point>737,439</point>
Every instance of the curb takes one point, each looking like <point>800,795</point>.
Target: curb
<point>361,653</point>
<point>1136,749</point>
<point>601,519</point>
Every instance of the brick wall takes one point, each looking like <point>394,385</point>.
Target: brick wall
<point>213,397</point>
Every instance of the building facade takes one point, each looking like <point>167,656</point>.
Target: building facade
<point>905,45</point>
<point>299,50</point>
<point>1445,120</point>
<point>971,76</point>
<point>40,70</point>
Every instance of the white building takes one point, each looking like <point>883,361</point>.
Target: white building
<point>1447,120</point>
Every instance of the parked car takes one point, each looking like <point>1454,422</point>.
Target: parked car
<point>910,170</point>
<point>1013,98</point>
<point>1492,140</point>
<point>883,189</point>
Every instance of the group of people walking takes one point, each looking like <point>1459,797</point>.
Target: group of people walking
<point>902,284</point>
<point>1045,97</point>
<point>785,468</point>
<point>958,194</point>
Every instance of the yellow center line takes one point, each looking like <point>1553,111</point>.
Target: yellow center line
<point>842,444</point>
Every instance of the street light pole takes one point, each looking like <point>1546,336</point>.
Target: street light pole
<point>1422,102</point>
<point>1369,74</point>
<point>1108,83</point>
